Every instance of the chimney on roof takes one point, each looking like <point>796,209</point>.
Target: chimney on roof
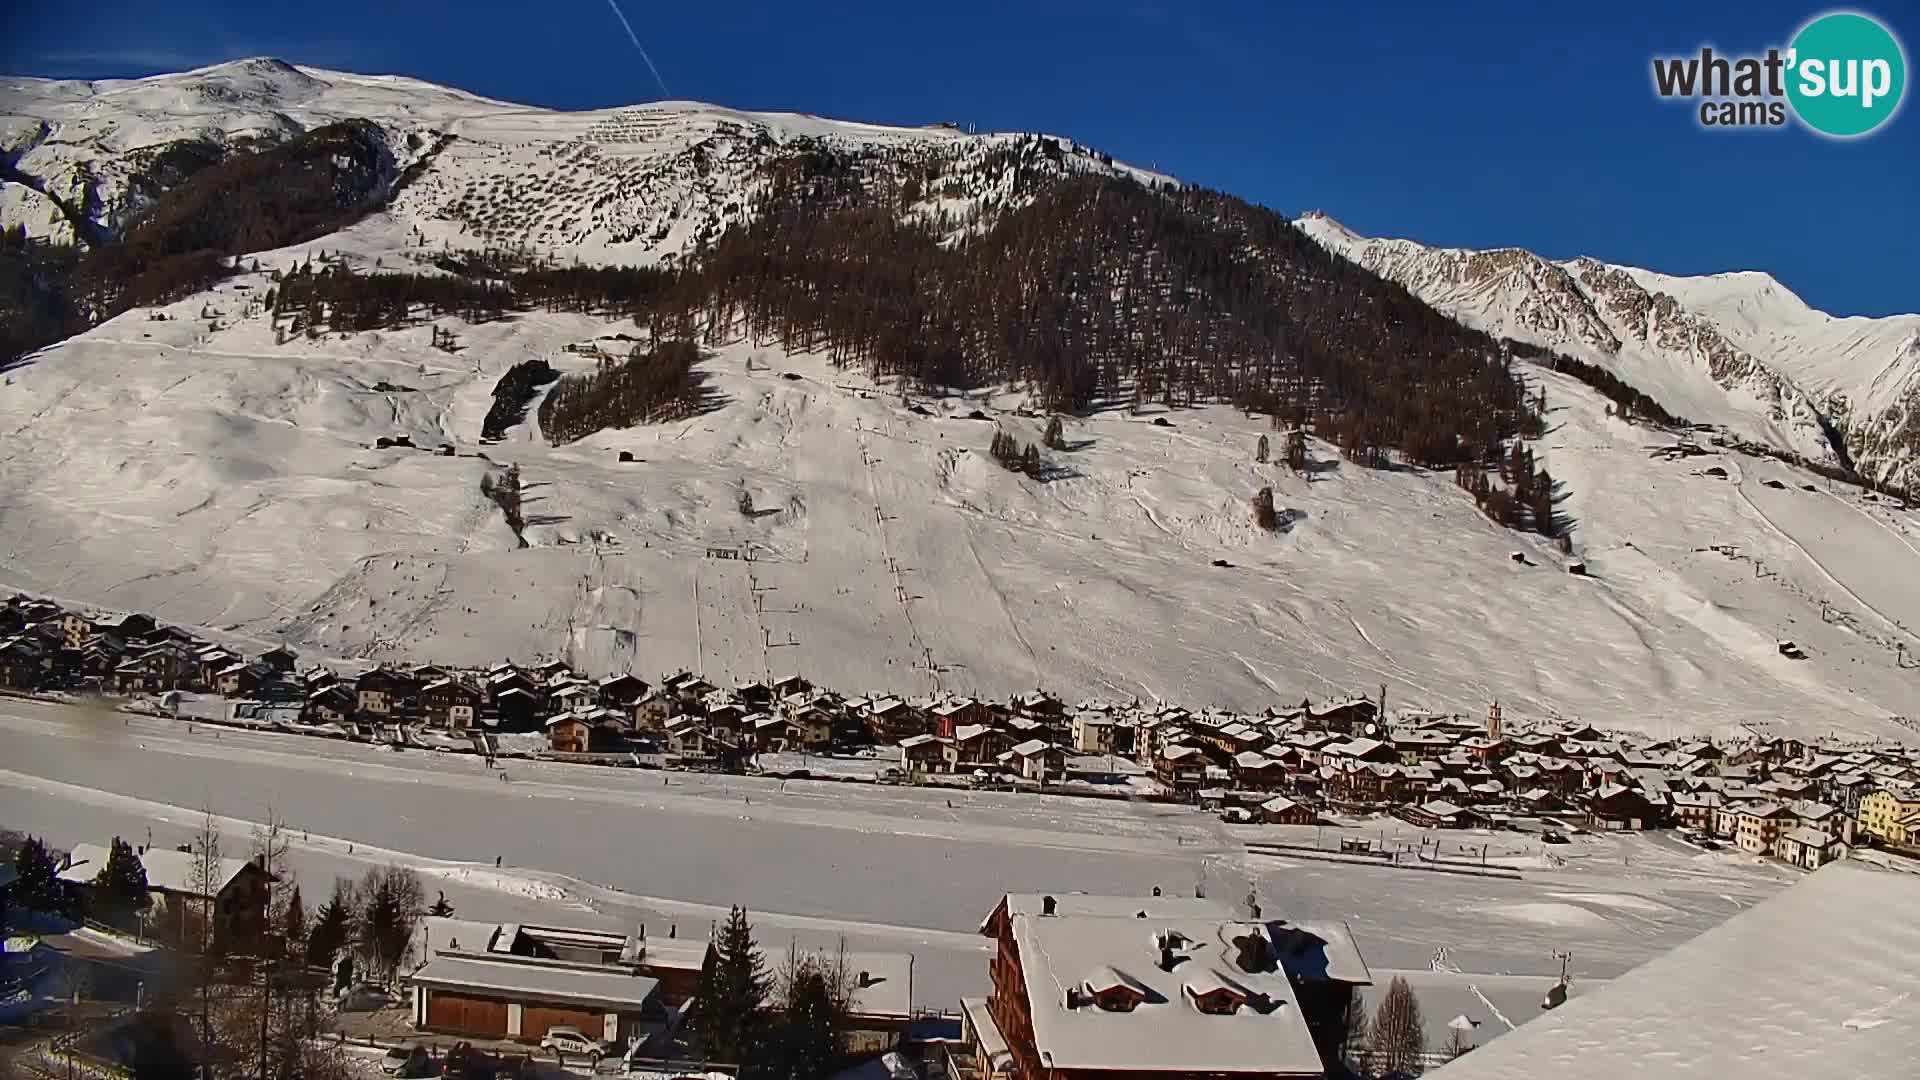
<point>1047,905</point>
<point>1250,953</point>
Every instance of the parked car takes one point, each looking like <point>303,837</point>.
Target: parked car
<point>571,1040</point>
<point>1554,836</point>
<point>407,1062</point>
<point>1236,815</point>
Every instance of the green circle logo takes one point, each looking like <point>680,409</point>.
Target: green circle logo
<point>1846,74</point>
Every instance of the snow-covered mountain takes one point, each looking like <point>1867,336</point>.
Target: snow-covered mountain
<point>1738,349</point>
<point>201,460</point>
<point>628,185</point>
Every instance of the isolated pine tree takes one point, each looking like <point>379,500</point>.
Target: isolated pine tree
<point>37,883</point>
<point>733,1004</point>
<point>1398,1041</point>
<point>1260,450</point>
<point>1055,438</point>
<point>333,926</point>
<point>120,888</point>
<point>293,923</point>
<point>1030,461</point>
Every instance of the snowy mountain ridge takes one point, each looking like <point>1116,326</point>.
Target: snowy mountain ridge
<point>636,184</point>
<point>1735,349</point>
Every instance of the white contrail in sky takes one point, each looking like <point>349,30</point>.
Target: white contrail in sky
<point>635,38</point>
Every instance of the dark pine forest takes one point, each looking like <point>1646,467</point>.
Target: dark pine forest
<point>1093,291</point>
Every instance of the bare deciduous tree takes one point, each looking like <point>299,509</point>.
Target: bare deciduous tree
<point>1398,1042</point>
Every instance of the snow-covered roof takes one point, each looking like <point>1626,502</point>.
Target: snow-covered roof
<point>1166,1031</point>
<point>535,982</point>
<point>1821,980</point>
<point>167,870</point>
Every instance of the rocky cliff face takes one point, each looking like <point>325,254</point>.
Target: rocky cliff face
<point>1737,350</point>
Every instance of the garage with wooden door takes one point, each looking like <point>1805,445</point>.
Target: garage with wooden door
<point>536,1019</point>
<point>465,1014</point>
<point>491,995</point>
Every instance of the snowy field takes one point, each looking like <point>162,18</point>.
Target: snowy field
<point>219,480</point>
<point>887,868</point>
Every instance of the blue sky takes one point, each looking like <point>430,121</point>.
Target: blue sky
<point>1505,123</point>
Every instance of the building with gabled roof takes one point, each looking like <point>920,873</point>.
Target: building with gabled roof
<point>1087,987</point>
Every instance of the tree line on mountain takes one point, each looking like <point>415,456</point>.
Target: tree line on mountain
<point>190,238</point>
<point>649,386</point>
<point>1101,292</point>
<point>1630,402</point>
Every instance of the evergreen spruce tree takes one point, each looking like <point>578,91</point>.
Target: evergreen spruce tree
<point>120,888</point>
<point>37,879</point>
<point>1030,461</point>
<point>1260,450</point>
<point>333,926</point>
<point>733,1003</point>
<point>293,924</point>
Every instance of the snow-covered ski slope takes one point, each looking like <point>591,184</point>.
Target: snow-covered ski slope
<point>1738,349</point>
<point>218,479</point>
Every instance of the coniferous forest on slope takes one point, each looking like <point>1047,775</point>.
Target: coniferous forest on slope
<point>1090,290</point>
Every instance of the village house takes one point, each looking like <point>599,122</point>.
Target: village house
<point>890,720</point>
<point>1037,760</point>
<point>1281,810</point>
<point>570,733</point>
<point>1255,771</point>
<point>384,695</point>
<point>450,703</point>
<point>329,705</point>
<point>241,680</point>
<point>949,715</point>
<point>1616,807</point>
<point>809,729</point>
<point>1694,810</point>
<point>280,659</point>
<point>1160,987</point>
<point>975,745</point>
<point>1757,825</point>
<point>1440,814</point>
<point>1891,814</point>
<point>764,733</point>
<point>169,665</point>
<point>1093,732</point>
<point>621,692</point>
<point>687,737</point>
<point>24,663</point>
<point>1181,767</point>
<point>1345,717</point>
<point>1807,847</point>
<point>181,886</point>
<point>517,709</point>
